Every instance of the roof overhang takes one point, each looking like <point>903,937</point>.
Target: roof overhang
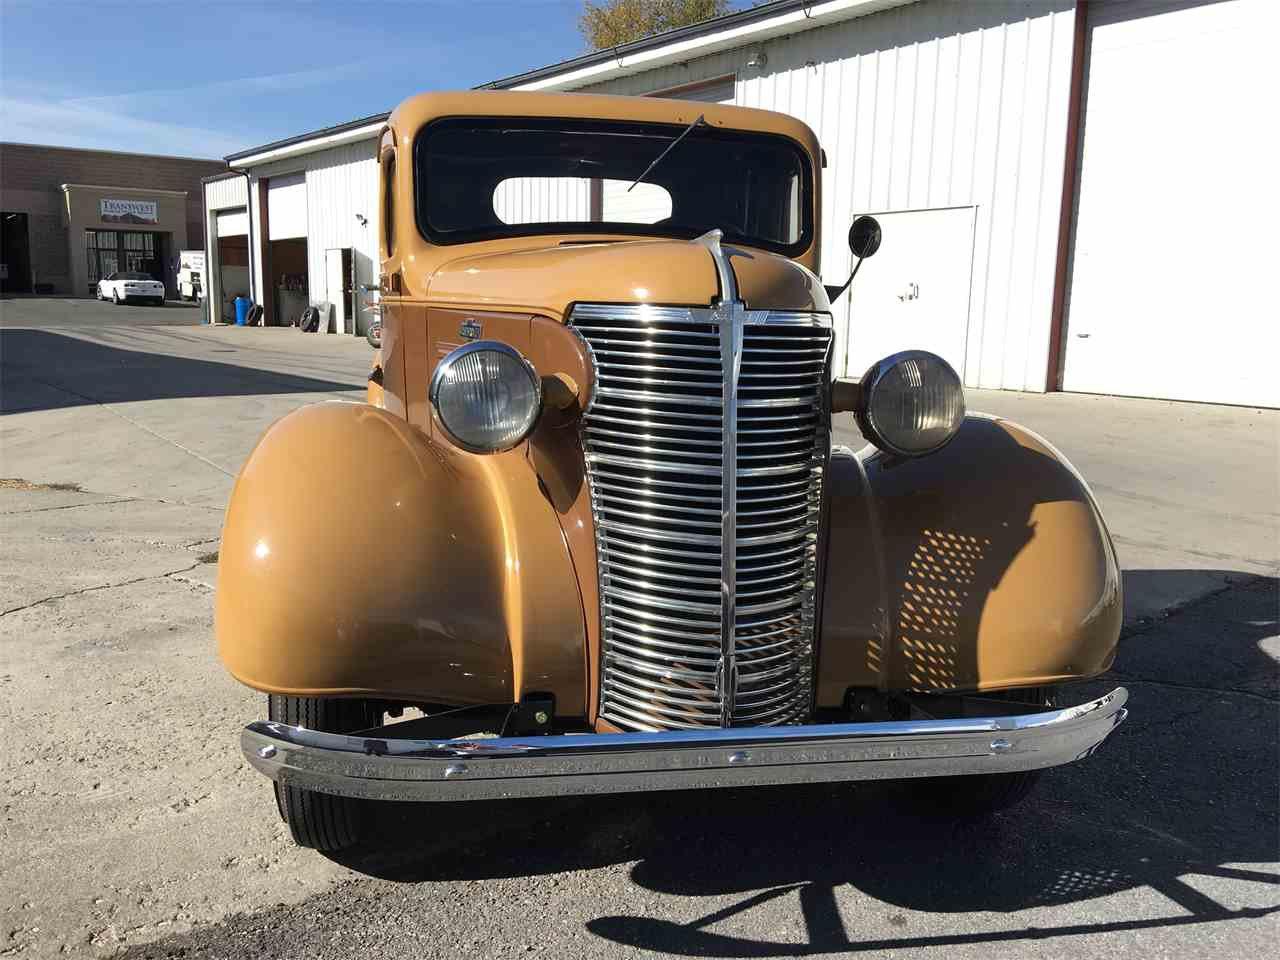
<point>743,28</point>
<point>337,136</point>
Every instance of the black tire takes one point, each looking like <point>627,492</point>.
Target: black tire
<point>321,821</point>
<point>978,796</point>
<point>374,336</point>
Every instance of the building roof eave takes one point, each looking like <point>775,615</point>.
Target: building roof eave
<point>737,29</point>
<point>309,142</point>
<point>147,191</point>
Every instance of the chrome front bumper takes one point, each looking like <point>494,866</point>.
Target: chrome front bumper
<point>391,769</point>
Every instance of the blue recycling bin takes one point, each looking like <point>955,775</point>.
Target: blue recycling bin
<point>242,310</point>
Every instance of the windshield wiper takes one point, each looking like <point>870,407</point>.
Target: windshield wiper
<point>671,146</point>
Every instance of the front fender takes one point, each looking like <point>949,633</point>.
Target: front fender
<point>360,559</point>
<point>983,566</point>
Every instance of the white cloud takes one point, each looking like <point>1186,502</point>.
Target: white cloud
<point>73,124</point>
<point>273,83</point>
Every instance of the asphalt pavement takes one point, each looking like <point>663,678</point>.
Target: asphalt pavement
<point>129,824</point>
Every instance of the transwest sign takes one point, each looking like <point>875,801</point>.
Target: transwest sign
<point>128,211</point>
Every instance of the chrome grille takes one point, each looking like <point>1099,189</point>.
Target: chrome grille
<point>656,438</point>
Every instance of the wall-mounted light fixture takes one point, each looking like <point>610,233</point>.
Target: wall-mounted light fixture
<point>758,58</point>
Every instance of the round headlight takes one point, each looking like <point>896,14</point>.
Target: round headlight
<point>913,403</point>
<point>486,395</point>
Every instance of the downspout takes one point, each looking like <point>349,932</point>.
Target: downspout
<point>248,208</point>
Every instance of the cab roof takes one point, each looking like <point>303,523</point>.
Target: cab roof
<point>417,111</point>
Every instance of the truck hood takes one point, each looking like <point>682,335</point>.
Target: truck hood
<point>549,279</point>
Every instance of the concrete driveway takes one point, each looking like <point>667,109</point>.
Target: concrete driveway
<point>130,822</point>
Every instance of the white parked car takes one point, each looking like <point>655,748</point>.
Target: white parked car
<point>122,286</point>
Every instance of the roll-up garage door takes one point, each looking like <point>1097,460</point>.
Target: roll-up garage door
<point>287,206</point>
<point>1174,238</point>
<point>233,223</point>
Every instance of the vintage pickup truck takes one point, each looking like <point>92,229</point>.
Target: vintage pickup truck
<point>589,533</point>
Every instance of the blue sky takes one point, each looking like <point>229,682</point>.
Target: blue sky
<point>204,78</point>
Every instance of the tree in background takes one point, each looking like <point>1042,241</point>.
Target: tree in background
<point>608,23</point>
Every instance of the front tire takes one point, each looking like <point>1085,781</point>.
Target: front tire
<point>978,796</point>
<point>321,821</point>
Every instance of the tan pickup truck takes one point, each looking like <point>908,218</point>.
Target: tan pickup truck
<point>590,533</point>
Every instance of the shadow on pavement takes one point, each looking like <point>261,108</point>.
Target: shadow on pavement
<point>49,371</point>
<point>1188,786</point>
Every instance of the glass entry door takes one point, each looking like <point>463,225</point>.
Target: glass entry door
<point>110,250</point>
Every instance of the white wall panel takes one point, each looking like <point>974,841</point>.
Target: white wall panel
<point>342,187</point>
<point>224,193</point>
<point>935,104</point>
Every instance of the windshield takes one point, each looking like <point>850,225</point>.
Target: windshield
<point>478,179</point>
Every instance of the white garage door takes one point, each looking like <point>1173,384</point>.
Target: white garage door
<point>233,223</point>
<point>1171,292</point>
<point>287,206</point>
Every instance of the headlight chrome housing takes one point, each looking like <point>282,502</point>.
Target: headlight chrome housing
<point>912,403</point>
<point>486,396</point>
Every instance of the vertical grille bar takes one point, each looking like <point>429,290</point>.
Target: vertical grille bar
<point>705,443</point>
<point>729,317</point>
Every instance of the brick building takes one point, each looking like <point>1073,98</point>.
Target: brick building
<point>69,217</point>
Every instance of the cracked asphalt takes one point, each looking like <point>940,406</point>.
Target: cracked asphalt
<point>130,826</point>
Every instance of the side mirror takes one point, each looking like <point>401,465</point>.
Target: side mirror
<point>864,240</point>
<point>864,237</point>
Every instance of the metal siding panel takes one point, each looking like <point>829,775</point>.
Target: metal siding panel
<point>924,125</point>
<point>229,192</point>
<point>342,183</point>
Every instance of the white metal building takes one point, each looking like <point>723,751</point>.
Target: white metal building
<point>306,212</point>
<point>1074,194</point>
